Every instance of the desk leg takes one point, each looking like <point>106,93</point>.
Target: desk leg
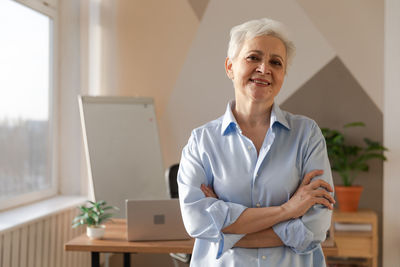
<point>127,260</point>
<point>95,259</point>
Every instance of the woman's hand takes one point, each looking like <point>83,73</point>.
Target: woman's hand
<point>308,194</point>
<point>208,191</point>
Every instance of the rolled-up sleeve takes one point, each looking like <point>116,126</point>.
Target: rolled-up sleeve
<point>303,235</point>
<point>204,217</point>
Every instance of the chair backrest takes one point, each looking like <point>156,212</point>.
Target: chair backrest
<point>171,176</point>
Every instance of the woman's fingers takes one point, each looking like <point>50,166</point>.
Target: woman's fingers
<point>323,194</point>
<point>321,183</point>
<point>205,190</point>
<point>325,202</point>
<point>309,176</point>
<point>208,191</point>
<point>212,191</point>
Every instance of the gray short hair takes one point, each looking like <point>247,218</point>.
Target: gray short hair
<point>258,27</point>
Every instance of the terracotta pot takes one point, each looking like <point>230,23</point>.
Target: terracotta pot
<point>348,197</point>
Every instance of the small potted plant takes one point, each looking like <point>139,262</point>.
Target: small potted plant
<point>348,161</point>
<point>93,215</point>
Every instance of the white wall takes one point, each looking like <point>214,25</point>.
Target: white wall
<point>391,211</point>
<point>69,87</point>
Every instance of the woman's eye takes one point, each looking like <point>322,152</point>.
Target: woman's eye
<point>276,62</point>
<point>252,58</point>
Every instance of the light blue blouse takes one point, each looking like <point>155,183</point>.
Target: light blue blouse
<point>219,154</point>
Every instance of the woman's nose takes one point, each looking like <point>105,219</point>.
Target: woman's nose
<point>264,68</point>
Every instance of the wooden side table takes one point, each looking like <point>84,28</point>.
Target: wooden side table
<point>357,244</point>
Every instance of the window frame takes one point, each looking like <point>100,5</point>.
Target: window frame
<point>48,9</point>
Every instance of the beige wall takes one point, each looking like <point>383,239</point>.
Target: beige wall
<point>153,38</point>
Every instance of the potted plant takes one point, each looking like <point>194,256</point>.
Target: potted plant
<point>348,161</point>
<point>93,215</point>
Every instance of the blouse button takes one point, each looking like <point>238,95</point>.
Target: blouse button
<point>258,205</point>
<point>264,257</point>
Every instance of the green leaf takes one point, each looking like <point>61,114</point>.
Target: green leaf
<point>110,207</point>
<point>102,203</point>
<point>83,209</point>
<point>338,139</point>
<point>349,159</point>
<point>354,124</point>
<point>103,218</point>
<point>78,218</point>
<point>93,213</point>
<point>76,225</point>
<point>369,156</point>
<point>90,221</point>
<point>373,145</point>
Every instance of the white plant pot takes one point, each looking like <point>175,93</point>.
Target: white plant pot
<point>96,232</point>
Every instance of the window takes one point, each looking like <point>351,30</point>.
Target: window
<point>27,158</point>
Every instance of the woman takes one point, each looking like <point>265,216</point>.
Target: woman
<point>254,185</point>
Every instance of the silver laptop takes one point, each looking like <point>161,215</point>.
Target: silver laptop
<point>154,220</point>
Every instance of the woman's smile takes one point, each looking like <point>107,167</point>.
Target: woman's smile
<point>260,82</point>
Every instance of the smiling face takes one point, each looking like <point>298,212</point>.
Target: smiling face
<point>258,70</point>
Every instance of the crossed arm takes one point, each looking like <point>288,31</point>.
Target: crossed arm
<point>256,223</point>
<point>229,224</point>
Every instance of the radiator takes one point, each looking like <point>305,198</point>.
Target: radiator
<point>41,243</point>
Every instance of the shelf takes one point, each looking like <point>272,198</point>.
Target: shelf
<point>353,234</point>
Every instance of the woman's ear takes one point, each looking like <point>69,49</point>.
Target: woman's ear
<point>228,68</point>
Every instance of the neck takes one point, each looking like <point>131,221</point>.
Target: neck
<point>252,114</point>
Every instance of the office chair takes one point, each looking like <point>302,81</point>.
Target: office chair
<point>171,176</point>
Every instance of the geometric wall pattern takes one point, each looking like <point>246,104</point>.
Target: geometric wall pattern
<point>199,7</point>
<point>333,97</point>
<point>363,34</point>
<point>202,89</point>
<point>355,30</point>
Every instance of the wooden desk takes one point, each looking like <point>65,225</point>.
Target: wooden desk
<point>115,241</point>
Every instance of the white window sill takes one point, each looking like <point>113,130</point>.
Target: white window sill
<point>17,217</point>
